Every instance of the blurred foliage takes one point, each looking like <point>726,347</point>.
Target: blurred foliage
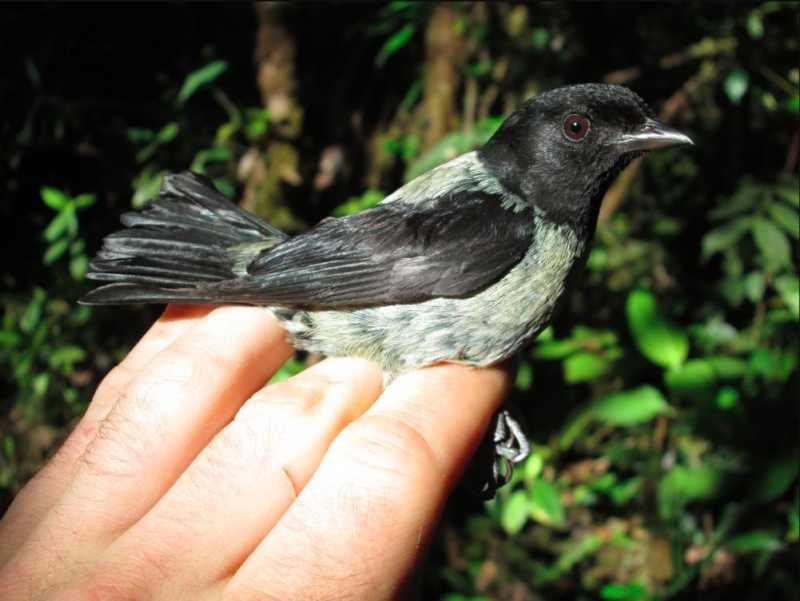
<point>663,402</point>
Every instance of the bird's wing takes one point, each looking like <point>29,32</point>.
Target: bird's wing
<point>448,245</point>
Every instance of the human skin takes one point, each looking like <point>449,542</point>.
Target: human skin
<point>188,479</point>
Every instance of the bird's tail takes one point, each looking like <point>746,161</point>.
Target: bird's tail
<point>187,240</point>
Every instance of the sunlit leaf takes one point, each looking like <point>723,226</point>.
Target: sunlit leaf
<point>57,227</point>
<point>755,26</point>
<point>585,367</point>
<point>83,201</point>
<point>217,154</point>
<point>556,349</point>
<point>202,77</point>
<point>788,286</point>
<point>33,312</point>
<point>291,368</point>
<point>630,407</point>
<point>54,198</point>
<point>78,266</point>
<point>727,397</point>
<point>693,377</point>
<point>736,84</point>
<point>753,284</point>
<point>656,337</point>
<point>66,356</point>
<point>727,368</point>
<point>55,251</point>
<point>545,504</point>
<point>524,377</point>
<point>168,132</point>
<point>682,485</point>
<point>514,512</point>
<point>623,592</point>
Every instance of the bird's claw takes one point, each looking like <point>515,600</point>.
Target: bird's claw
<point>509,446</point>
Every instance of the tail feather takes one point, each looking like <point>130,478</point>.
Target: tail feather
<point>185,241</point>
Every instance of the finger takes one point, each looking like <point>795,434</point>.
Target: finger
<point>35,499</point>
<point>173,323</point>
<point>366,515</point>
<point>162,420</point>
<point>238,488</point>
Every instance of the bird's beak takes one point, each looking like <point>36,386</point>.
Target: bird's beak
<point>653,135</point>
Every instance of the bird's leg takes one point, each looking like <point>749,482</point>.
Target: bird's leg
<point>510,441</point>
<point>504,445</point>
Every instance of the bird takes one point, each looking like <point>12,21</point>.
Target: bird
<point>467,263</point>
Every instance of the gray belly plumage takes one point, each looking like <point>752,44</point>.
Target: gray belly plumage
<point>478,330</point>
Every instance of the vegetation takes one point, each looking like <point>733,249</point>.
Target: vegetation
<point>663,403</point>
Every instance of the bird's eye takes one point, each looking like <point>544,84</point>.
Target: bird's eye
<point>576,127</point>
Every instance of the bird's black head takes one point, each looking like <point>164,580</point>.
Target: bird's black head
<point>562,149</point>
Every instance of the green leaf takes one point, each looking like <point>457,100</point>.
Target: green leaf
<point>556,349</point>
<point>786,218</point>
<point>753,284</point>
<point>772,243</point>
<point>83,201</point>
<point>789,191</point>
<point>202,77</point>
<point>40,384</point>
<point>218,154</point>
<point>788,286</point>
<point>291,368</point>
<point>54,198</point>
<point>9,339</point>
<point>55,251</point>
<point>774,480</point>
<point>736,84</point>
<point>755,542</point>
<point>755,26</point>
<point>585,367</point>
<point>793,534</point>
<point>514,512</point>
<point>727,398</point>
<point>623,592</point>
<point>394,43</point>
<point>168,132</point>
<point>72,219</point>
<point>682,485</point>
<point>630,407</point>
<point>727,368</point>
<point>358,203</point>
<point>524,377</point>
<point>57,227</point>
<point>146,186</point>
<point>723,237</point>
<point>656,337</point>
<point>78,266</point>
<point>545,504</point>
<point>66,356</point>
<point>742,201</point>
<point>695,377</point>
<point>540,38</point>
<point>33,312</point>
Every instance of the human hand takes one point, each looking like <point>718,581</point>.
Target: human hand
<point>187,479</point>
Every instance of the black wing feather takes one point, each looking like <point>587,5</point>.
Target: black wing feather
<point>449,246</point>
